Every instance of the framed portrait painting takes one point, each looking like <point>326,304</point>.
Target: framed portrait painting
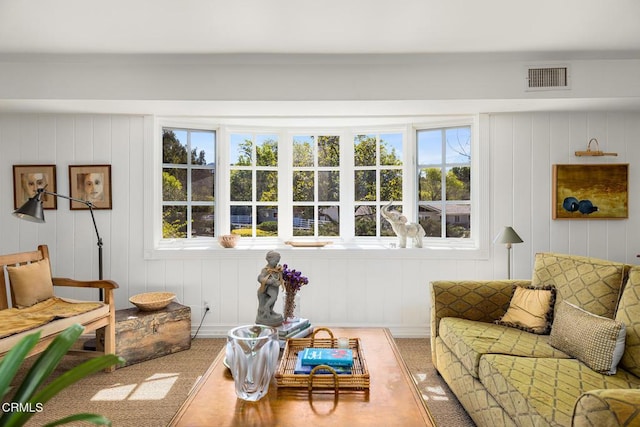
<point>27,179</point>
<point>599,191</point>
<point>91,183</point>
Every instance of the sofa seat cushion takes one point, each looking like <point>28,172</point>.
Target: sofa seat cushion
<point>469,340</point>
<point>50,317</point>
<point>543,391</point>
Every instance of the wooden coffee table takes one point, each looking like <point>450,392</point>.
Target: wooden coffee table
<point>392,399</point>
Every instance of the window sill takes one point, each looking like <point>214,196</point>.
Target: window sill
<point>373,249</point>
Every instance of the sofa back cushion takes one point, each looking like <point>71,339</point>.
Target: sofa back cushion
<point>629,313</point>
<point>591,284</point>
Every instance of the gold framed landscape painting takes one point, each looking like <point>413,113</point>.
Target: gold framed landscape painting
<point>598,191</point>
<point>27,179</point>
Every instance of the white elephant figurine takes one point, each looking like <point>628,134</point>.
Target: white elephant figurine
<point>402,228</point>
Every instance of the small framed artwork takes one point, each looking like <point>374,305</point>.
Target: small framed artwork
<point>91,183</point>
<point>27,179</point>
<point>598,191</point>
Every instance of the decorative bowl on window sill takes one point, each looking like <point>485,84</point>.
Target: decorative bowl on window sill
<point>228,240</point>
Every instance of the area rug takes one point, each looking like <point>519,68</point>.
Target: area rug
<point>148,394</point>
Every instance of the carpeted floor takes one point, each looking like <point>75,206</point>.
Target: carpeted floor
<point>149,393</point>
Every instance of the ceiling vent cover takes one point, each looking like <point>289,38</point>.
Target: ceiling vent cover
<point>546,78</point>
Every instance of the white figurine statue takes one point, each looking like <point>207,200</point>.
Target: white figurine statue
<point>402,228</point>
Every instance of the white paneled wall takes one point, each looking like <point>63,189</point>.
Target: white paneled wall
<point>377,288</point>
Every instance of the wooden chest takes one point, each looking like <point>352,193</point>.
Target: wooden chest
<point>144,335</point>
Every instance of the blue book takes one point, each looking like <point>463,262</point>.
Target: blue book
<point>327,356</point>
<point>306,369</point>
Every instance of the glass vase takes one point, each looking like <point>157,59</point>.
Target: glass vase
<point>291,307</point>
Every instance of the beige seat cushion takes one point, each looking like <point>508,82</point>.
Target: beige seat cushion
<point>31,283</point>
<point>60,312</point>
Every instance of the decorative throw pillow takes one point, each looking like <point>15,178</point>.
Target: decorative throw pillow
<point>596,341</point>
<point>31,283</point>
<point>530,309</point>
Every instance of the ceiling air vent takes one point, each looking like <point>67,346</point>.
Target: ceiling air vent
<point>547,78</point>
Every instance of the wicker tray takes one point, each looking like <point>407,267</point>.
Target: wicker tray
<point>357,380</point>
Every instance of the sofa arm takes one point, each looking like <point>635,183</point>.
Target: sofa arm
<point>612,407</point>
<point>481,300</point>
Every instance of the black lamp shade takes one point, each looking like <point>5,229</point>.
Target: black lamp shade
<point>32,210</point>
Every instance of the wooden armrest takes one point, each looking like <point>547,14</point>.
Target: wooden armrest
<point>104,284</point>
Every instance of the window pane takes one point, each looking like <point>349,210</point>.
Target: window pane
<point>203,148</point>
<point>391,149</point>
<point>174,184</point>
<point>303,186</point>
<point>458,183</point>
<point>458,220</point>
<point>203,221</point>
<point>303,151</point>
<point>267,150</point>
<point>267,223</point>
<point>174,146</point>
<point>241,220</point>
<point>430,217</point>
<point>328,220</point>
<point>267,186</point>
<point>329,186</point>
<point>241,186</point>
<point>430,147</point>
<point>458,145</point>
<point>390,184</point>
<point>240,151</point>
<point>329,151</point>
<point>174,222</point>
<point>365,220</point>
<point>202,183</point>
<point>430,184</point>
<point>365,150</point>
<point>303,221</point>
<point>365,185</point>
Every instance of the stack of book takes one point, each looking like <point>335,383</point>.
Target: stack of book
<point>297,329</point>
<point>339,359</point>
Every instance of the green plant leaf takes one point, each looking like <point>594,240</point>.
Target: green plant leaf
<point>66,379</point>
<point>47,362</point>
<point>12,361</point>
<point>96,419</point>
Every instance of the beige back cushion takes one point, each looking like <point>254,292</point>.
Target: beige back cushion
<point>591,284</point>
<point>629,313</point>
<point>31,283</point>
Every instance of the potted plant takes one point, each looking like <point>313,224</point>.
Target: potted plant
<point>30,397</point>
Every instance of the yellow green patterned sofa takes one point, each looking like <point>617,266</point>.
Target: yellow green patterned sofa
<point>504,376</point>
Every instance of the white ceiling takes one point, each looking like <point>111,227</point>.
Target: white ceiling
<point>321,26</point>
<point>549,29</point>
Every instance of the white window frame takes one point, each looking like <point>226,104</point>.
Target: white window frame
<point>475,247</point>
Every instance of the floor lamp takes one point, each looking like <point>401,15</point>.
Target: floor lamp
<point>33,211</point>
<point>508,237</point>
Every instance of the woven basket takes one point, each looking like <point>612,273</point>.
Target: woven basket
<point>357,380</point>
<point>151,301</point>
